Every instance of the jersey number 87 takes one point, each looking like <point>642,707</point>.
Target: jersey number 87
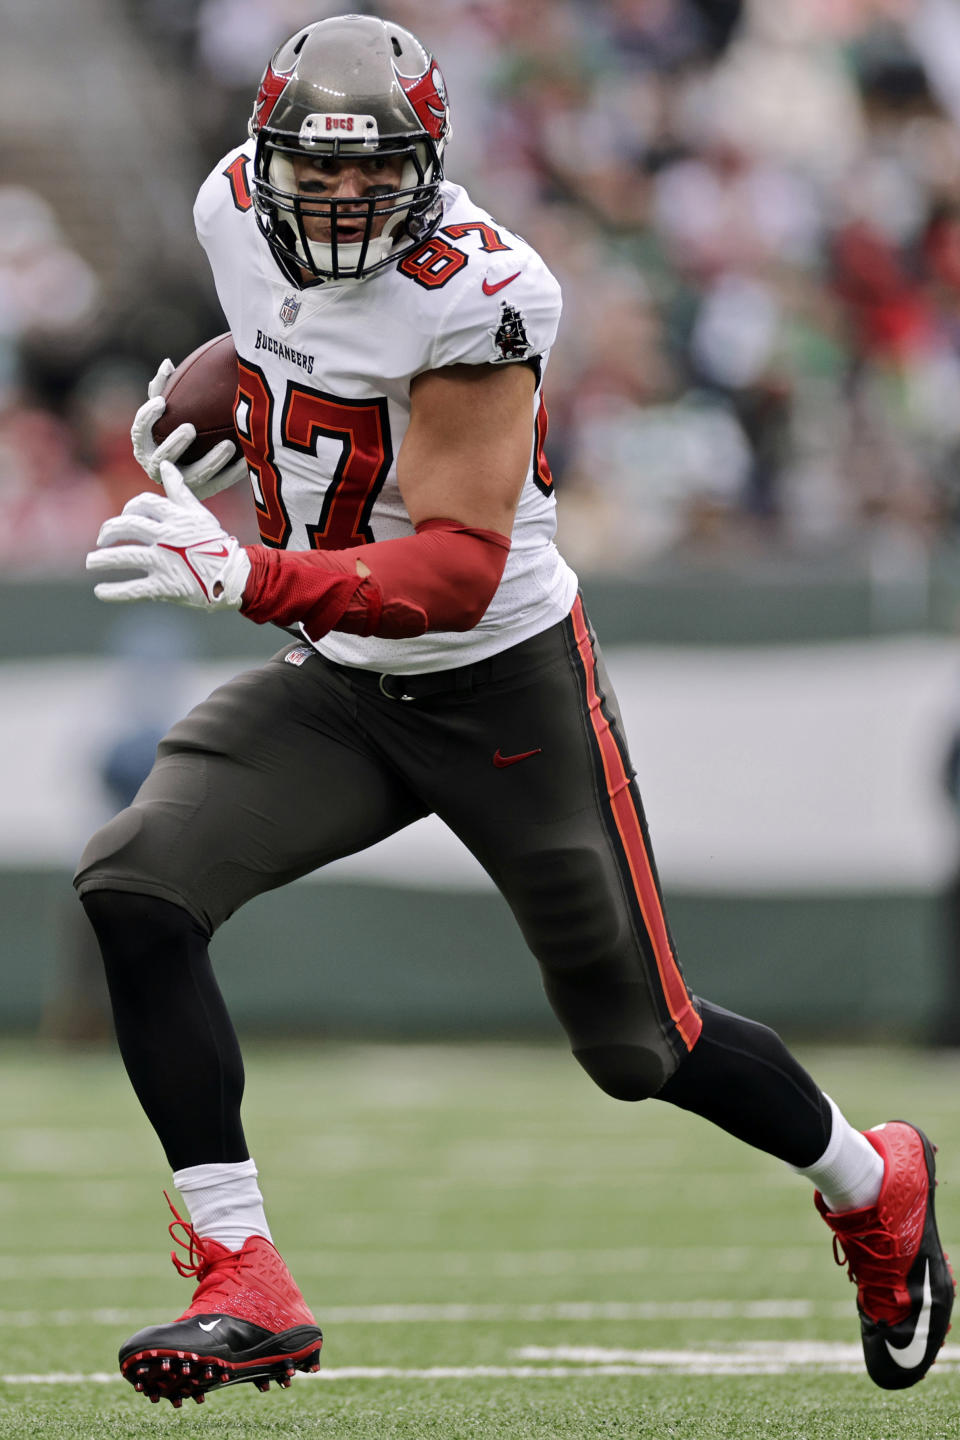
<point>362,428</point>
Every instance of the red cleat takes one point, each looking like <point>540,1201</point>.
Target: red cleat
<point>893,1253</point>
<point>247,1321</point>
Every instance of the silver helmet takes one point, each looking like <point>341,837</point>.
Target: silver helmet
<point>349,87</point>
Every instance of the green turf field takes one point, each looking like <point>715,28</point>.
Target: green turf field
<point>491,1246</point>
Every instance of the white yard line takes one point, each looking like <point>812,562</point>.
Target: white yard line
<point>569,1362</point>
<point>755,1357</point>
<point>447,1314</point>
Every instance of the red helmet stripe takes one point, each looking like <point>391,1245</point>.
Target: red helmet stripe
<point>272,87</point>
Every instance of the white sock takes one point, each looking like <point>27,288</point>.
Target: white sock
<point>849,1173</point>
<point>224,1202</point>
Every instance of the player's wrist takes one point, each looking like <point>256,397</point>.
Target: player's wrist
<point>291,586</point>
<point>257,569</point>
<point>229,587</point>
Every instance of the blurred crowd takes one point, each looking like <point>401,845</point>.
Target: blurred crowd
<point>753,210</point>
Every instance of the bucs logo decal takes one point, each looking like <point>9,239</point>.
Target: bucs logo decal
<point>510,337</point>
<point>427,94</point>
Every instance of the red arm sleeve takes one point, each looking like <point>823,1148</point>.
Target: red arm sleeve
<point>441,578</point>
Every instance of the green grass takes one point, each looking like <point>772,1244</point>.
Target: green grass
<point>494,1179</point>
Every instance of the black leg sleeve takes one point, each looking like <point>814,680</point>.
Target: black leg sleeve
<point>176,1038</point>
<point>742,1077</point>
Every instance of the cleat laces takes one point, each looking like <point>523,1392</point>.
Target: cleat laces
<point>214,1272</point>
<point>198,1260</point>
<point>867,1259</point>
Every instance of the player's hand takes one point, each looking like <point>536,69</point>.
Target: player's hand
<point>214,472</point>
<point>187,556</point>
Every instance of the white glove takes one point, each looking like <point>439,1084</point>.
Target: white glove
<point>187,556</point>
<point>206,477</point>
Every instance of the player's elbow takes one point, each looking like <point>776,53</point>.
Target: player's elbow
<point>457,590</point>
<point>401,618</point>
<point>443,578</point>
<point>482,557</point>
<point>472,606</point>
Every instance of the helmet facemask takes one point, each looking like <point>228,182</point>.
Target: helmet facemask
<point>388,215</point>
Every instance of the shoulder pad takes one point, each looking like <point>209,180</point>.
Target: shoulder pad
<point>502,303</point>
<point>226,187</point>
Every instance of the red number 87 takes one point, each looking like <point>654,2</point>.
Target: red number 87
<point>361,426</point>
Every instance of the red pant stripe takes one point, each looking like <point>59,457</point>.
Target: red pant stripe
<point>628,826</point>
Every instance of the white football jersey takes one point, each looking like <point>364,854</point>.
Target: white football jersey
<point>324,398</point>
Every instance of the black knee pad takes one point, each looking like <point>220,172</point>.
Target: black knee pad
<point>614,1029</point>
<point>627,1072</point>
<point>600,969</point>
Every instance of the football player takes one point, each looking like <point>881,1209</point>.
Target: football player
<point>392,340</point>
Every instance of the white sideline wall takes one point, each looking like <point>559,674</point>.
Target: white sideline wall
<point>796,768</point>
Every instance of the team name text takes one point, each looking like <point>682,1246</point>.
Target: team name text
<point>284,352</point>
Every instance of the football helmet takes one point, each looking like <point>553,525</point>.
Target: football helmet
<point>351,87</point>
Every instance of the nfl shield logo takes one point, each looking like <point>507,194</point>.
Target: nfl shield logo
<point>290,309</point>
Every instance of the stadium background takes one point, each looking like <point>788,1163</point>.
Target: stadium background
<point>754,211</point>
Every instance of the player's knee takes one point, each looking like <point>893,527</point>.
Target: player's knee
<point>138,932</point>
<point>627,1072</point>
<point>127,862</point>
<point>104,855</point>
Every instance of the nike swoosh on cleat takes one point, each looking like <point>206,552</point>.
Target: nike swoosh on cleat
<point>489,289</point>
<point>502,761</point>
<point>909,1356</point>
<point>212,1326</point>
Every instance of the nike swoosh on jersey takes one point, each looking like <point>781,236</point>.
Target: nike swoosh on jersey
<point>502,761</point>
<point>908,1356</point>
<point>212,1326</point>
<point>489,289</point>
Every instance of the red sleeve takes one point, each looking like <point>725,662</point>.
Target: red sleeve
<point>441,578</point>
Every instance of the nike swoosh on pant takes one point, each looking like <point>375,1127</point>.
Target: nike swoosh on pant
<point>502,761</point>
<point>909,1356</point>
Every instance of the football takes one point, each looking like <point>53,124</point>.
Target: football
<point>202,390</point>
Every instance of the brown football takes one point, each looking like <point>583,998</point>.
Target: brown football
<point>202,390</point>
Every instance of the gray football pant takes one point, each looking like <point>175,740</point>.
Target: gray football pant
<point>290,766</point>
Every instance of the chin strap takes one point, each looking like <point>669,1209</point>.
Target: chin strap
<point>441,578</point>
